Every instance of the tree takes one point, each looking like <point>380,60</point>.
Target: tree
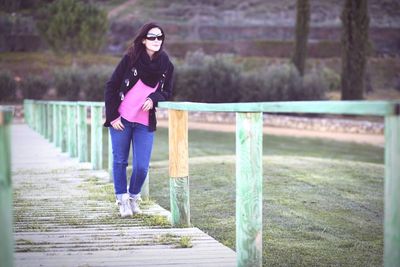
<point>72,26</point>
<point>302,29</point>
<point>355,24</point>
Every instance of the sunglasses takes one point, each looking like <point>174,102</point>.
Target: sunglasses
<point>154,37</point>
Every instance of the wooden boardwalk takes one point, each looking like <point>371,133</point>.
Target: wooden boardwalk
<point>65,216</point>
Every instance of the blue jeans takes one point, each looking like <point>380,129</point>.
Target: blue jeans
<point>142,143</point>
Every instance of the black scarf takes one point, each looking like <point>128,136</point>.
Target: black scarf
<point>151,71</point>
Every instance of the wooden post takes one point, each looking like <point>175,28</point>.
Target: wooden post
<point>145,193</point>
<point>63,127</point>
<point>83,147</point>
<point>71,130</point>
<point>249,189</point>
<point>110,159</point>
<point>96,137</point>
<point>60,130</point>
<point>27,112</point>
<point>392,192</point>
<point>55,123</point>
<point>179,167</point>
<point>43,119</point>
<point>50,121</point>
<point>6,201</point>
<point>37,117</point>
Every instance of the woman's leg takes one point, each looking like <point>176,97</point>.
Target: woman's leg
<point>142,145</point>
<point>121,141</point>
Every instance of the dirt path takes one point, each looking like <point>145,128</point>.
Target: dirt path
<point>376,140</point>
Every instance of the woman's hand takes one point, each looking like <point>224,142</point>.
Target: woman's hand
<point>117,124</point>
<point>148,104</point>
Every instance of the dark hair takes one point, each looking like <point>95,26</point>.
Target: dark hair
<point>137,47</point>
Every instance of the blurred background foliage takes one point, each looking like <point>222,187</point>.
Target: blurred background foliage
<point>242,48</point>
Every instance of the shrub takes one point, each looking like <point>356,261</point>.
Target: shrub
<point>95,82</point>
<point>80,83</point>
<point>205,78</point>
<point>281,82</point>
<point>314,87</point>
<point>69,83</point>
<point>34,87</point>
<point>332,79</point>
<point>209,79</point>
<point>254,88</point>
<point>8,86</point>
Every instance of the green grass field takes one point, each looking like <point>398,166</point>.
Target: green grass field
<point>322,200</point>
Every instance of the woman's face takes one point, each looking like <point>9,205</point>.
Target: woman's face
<point>153,41</point>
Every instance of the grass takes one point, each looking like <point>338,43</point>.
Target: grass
<point>322,200</point>
<point>219,143</point>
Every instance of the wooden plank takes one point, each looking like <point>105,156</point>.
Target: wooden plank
<point>249,189</point>
<point>6,201</point>
<point>392,192</point>
<point>55,242</point>
<point>379,108</point>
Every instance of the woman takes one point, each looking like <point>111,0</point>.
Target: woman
<point>142,78</point>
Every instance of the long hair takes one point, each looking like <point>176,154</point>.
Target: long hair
<point>137,47</point>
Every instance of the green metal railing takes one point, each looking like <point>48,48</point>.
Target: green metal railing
<point>248,157</point>
<point>6,201</point>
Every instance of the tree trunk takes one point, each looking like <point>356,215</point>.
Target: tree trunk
<point>355,23</point>
<point>302,29</point>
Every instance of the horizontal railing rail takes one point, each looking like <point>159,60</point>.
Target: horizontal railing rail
<point>64,124</point>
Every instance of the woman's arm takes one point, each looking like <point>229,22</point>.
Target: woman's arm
<point>111,94</point>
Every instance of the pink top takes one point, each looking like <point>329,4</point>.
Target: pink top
<point>131,107</point>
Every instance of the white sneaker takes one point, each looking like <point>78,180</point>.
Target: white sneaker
<point>125,206</point>
<point>134,201</point>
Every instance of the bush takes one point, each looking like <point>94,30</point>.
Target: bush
<point>69,83</point>
<point>332,79</point>
<point>209,79</point>
<point>8,86</point>
<point>34,87</point>
<point>282,82</point>
<point>79,83</point>
<point>314,87</point>
<point>95,82</point>
<point>203,78</point>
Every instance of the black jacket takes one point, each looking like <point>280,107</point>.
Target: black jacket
<point>122,79</point>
